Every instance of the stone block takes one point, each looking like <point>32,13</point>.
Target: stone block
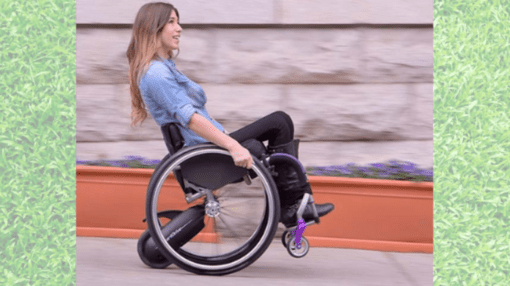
<point>196,55</point>
<point>349,112</point>
<point>354,12</point>
<point>320,112</point>
<point>103,113</point>
<point>101,56</point>
<point>190,12</point>
<point>310,153</point>
<point>364,153</point>
<point>419,125</point>
<point>237,105</point>
<point>287,56</point>
<point>88,151</point>
<point>398,55</point>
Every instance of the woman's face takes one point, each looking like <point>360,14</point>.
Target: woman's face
<point>169,37</point>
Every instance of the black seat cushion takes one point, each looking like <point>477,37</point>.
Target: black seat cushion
<point>212,171</point>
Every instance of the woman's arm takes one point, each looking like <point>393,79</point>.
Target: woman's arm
<point>205,129</point>
<point>226,132</point>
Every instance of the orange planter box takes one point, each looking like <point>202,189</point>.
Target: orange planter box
<point>369,214</point>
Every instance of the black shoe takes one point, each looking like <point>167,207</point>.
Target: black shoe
<point>289,218</point>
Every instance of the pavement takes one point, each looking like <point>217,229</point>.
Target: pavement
<point>113,261</point>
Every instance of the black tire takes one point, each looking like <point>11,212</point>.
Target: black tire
<point>232,261</point>
<point>298,253</point>
<point>286,237</point>
<point>158,262</point>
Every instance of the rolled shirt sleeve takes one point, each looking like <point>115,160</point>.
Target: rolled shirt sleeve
<point>162,93</point>
<point>171,97</point>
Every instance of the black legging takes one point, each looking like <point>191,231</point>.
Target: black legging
<point>276,127</point>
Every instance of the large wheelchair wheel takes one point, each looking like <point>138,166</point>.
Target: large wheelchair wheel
<point>240,215</point>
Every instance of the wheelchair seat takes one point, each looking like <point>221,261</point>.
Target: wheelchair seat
<point>207,171</point>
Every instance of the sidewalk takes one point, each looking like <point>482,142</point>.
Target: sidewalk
<point>112,262</point>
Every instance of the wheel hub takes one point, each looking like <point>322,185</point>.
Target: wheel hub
<point>212,208</point>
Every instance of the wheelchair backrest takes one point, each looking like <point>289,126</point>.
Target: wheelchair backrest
<point>172,136</point>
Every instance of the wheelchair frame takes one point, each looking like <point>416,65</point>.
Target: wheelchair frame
<point>195,186</point>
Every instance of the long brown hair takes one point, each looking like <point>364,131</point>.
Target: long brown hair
<point>149,22</point>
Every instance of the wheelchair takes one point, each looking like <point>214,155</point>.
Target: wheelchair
<point>236,209</point>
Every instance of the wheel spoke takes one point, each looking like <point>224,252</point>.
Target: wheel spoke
<point>230,212</point>
<point>230,229</point>
<point>223,192</point>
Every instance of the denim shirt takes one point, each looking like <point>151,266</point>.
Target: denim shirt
<point>172,97</point>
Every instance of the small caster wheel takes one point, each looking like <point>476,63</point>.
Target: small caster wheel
<point>293,249</point>
<point>286,237</point>
<point>158,261</point>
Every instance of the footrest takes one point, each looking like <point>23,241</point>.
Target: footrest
<point>307,199</point>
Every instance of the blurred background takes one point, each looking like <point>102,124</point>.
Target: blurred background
<point>355,76</point>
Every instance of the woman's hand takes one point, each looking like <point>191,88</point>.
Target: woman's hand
<point>241,156</point>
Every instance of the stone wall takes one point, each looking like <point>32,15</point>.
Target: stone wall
<point>356,76</point>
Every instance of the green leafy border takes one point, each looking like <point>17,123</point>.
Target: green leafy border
<point>471,142</point>
<point>37,142</point>
<point>471,135</point>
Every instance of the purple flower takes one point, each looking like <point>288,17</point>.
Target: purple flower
<point>427,173</point>
<point>133,158</point>
<point>150,162</point>
<point>407,163</point>
<point>378,165</point>
<point>408,168</point>
<point>330,169</point>
<point>319,173</point>
<point>365,170</point>
<point>116,164</point>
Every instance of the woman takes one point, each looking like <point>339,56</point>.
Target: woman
<point>170,96</point>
